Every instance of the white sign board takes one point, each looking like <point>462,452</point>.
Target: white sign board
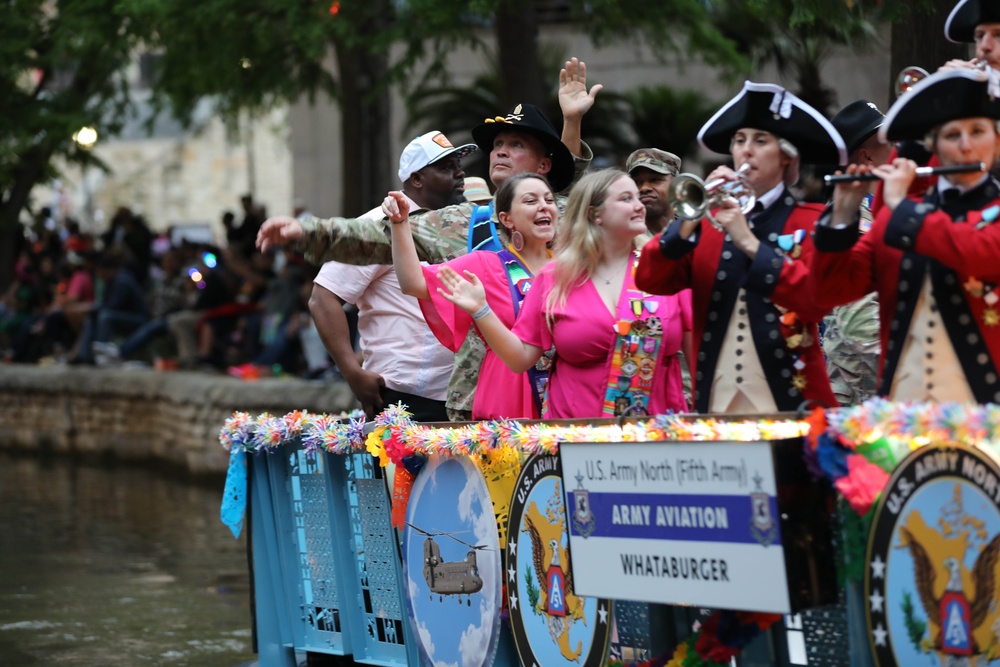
<point>676,523</point>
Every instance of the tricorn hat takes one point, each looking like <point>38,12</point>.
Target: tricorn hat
<point>769,107</point>
<point>967,14</point>
<point>529,119</point>
<point>857,122</point>
<point>941,97</point>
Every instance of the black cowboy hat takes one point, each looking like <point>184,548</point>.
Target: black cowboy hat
<point>941,97</point>
<point>529,119</point>
<point>856,122</point>
<point>769,107</point>
<point>967,14</point>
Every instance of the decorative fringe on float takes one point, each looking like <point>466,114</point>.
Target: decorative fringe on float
<point>854,448</point>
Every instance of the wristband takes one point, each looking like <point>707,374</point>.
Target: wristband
<point>482,312</point>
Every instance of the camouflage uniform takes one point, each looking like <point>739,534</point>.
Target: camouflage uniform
<point>851,342</point>
<point>439,236</point>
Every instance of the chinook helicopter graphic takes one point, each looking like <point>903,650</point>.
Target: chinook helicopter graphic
<point>460,577</point>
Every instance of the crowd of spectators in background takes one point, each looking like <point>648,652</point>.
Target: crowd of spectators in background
<point>132,297</point>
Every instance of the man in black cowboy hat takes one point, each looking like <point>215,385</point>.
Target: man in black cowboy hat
<point>522,140</point>
<point>755,339</point>
<point>851,331</point>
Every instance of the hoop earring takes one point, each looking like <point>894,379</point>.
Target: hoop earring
<point>517,240</point>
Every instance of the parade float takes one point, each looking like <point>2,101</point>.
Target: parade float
<point>673,540</point>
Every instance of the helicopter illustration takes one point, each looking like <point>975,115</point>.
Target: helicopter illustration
<point>443,577</point>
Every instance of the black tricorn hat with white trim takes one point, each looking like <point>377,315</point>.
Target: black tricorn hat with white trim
<point>769,107</point>
<point>967,14</point>
<point>941,97</point>
<point>529,119</point>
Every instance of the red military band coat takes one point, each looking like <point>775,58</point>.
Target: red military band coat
<point>783,316</point>
<point>960,246</point>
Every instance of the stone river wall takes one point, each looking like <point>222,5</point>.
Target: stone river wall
<point>143,415</point>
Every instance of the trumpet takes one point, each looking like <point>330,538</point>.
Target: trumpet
<point>911,76</point>
<point>921,172</point>
<point>692,198</point>
<point>908,78</point>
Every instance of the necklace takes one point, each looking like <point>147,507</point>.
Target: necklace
<point>607,281</point>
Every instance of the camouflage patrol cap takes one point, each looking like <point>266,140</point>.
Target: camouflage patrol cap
<point>659,161</point>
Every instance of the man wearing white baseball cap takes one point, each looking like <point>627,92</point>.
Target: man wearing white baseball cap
<point>432,169</point>
<point>402,360</point>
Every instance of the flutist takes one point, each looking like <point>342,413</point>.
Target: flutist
<point>933,258</point>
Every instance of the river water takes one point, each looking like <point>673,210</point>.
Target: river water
<point>117,566</point>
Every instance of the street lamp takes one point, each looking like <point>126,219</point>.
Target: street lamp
<point>85,138</point>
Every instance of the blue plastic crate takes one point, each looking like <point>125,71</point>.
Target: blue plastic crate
<point>326,563</point>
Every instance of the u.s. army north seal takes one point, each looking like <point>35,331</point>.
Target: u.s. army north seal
<point>932,562</point>
<point>550,623</point>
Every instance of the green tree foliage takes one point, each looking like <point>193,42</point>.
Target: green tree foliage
<point>60,68</point>
<point>455,110</point>
<point>797,36</point>
<point>668,119</point>
<point>685,28</point>
<point>63,65</point>
<point>251,54</point>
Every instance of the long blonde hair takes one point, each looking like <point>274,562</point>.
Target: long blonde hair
<point>579,240</point>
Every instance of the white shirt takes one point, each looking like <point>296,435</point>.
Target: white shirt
<point>395,341</point>
<point>944,184</point>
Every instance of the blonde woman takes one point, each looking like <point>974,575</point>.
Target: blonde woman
<point>615,346</point>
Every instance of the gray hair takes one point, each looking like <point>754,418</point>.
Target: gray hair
<point>788,148</point>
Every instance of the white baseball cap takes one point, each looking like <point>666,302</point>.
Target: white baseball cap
<point>428,149</point>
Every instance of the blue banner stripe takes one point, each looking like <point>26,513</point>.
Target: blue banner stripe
<point>686,518</point>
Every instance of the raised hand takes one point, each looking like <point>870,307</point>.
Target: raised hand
<point>278,231</point>
<point>574,98</point>
<point>467,293</point>
<point>395,207</point>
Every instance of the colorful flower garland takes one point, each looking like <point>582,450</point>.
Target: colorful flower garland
<point>344,433</point>
<point>855,448</point>
<point>498,446</point>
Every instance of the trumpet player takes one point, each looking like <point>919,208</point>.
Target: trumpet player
<point>931,258</point>
<point>755,339</point>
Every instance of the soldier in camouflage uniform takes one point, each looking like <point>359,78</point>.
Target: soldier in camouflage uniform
<point>444,234</point>
<point>653,171</point>
<point>851,332</point>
